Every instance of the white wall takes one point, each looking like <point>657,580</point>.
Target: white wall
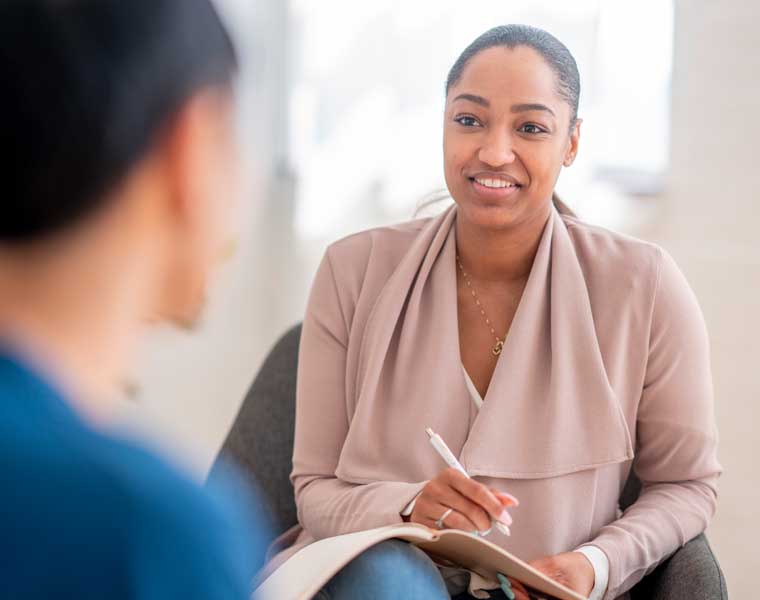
<point>710,224</point>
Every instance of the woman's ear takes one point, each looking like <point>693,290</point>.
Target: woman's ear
<point>572,147</point>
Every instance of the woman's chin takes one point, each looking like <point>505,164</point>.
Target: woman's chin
<point>490,215</point>
<point>507,212</point>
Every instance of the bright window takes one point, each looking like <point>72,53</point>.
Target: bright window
<point>367,98</point>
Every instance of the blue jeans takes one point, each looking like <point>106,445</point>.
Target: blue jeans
<point>392,570</point>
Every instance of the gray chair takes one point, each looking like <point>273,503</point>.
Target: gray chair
<point>261,442</point>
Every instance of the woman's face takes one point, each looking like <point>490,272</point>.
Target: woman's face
<point>506,136</point>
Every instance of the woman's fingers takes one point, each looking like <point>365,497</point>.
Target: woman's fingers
<point>427,512</point>
<point>448,496</point>
<point>476,504</point>
<point>475,492</point>
<point>519,590</point>
<point>505,498</point>
<point>437,498</point>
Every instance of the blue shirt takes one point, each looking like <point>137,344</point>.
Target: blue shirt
<point>86,515</point>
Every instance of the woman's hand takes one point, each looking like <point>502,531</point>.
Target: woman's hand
<point>473,504</point>
<point>571,569</point>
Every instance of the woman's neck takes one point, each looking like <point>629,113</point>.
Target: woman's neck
<point>503,255</point>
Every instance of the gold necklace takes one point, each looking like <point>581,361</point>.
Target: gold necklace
<point>499,346</point>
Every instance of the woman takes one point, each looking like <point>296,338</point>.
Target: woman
<point>120,117</point>
<point>551,356</point>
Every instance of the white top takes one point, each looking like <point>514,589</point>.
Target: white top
<point>596,557</point>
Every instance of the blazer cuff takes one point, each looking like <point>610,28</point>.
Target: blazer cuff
<point>601,565</point>
<point>409,508</point>
<point>610,550</point>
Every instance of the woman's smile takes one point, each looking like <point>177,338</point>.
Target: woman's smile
<point>494,186</point>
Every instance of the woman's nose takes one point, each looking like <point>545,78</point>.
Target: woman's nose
<point>497,149</point>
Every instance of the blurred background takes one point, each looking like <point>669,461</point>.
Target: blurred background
<point>341,118</point>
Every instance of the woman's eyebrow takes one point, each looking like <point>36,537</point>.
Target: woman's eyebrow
<point>531,106</point>
<point>517,108</point>
<point>473,98</point>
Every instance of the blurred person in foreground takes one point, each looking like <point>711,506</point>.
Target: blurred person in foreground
<point>118,183</point>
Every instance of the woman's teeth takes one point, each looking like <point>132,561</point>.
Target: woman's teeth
<point>495,183</point>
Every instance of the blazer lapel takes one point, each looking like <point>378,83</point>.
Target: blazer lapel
<point>407,375</point>
<point>550,409</point>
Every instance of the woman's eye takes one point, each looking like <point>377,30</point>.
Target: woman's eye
<point>531,128</point>
<point>467,121</point>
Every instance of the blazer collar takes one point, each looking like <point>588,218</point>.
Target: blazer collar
<point>549,410</point>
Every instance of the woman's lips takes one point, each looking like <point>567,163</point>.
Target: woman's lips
<point>488,192</point>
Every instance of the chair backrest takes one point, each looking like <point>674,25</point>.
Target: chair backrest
<point>261,438</point>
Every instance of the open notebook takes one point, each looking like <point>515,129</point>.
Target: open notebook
<point>307,571</point>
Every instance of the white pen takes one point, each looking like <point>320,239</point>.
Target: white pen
<point>448,456</point>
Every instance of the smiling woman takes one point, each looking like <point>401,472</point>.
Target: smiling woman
<point>491,119</point>
<point>546,352</point>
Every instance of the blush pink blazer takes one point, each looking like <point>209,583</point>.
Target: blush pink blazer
<point>605,368</point>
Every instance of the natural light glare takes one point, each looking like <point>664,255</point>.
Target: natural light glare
<point>366,110</point>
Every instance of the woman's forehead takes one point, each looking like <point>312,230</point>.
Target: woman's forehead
<point>507,76</point>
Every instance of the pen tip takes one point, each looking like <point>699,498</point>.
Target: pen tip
<point>429,431</point>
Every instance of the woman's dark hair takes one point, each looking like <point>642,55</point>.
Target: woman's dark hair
<point>554,52</point>
<point>87,85</point>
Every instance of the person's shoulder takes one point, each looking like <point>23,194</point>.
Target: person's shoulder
<point>366,259</point>
<point>155,490</point>
<point>613,254</point>
<point>131,480</point>
<point>136,521</point>
<point>620,245</point>
<point>144,480</point>
<point>388,240</point>
<point>170,520</point>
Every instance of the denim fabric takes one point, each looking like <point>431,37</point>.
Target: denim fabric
<point>392,570</point>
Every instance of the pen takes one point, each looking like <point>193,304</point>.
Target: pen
<point>448,456</point>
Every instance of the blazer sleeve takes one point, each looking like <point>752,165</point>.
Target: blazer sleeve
<point>676,441</point>
<point>328,506</point>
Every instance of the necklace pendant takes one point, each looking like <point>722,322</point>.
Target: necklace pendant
<point>496,350</point>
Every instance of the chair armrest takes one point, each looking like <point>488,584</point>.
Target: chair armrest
<point>692,573</point>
